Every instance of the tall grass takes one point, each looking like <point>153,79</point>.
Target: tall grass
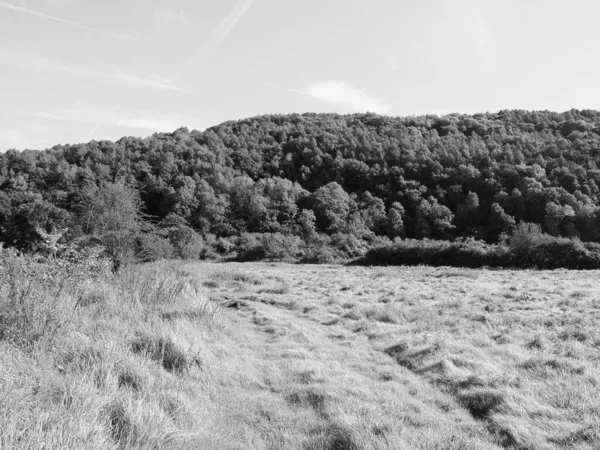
<point>87,359</point>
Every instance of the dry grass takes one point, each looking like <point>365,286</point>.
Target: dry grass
<point>274,356</point>
<point>427,357</point>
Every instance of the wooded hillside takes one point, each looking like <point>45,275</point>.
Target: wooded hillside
<point>362,175</point>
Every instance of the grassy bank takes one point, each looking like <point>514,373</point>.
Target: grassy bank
<point>95,361</point>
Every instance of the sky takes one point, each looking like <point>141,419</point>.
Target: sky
<point>80,70</point>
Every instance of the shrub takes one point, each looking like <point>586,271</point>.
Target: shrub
<point>153,247</point>
<point>224,245</point>
<point>187,244</point>
<point>348,245</point>
<point>465,253</point>
<point>319,251</point>
<point>272,246</point>
<point>528,247</point>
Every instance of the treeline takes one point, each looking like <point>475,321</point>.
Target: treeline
<point>347,182</point>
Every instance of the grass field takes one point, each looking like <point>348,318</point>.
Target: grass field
<point>276,356</point>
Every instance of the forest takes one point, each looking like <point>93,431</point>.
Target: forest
<point>312,186</point>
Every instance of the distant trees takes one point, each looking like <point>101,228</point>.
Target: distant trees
<point>356,177</point>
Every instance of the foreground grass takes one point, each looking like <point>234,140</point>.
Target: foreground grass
<point>274,356</point>
<point>107,363</point>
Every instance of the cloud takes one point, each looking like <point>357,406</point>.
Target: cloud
<point>151,81</point>
<point>163,16</point>
<point>225,27</point>
<point>345,96</point>
<point>8,6</point>
<point>33,62</point>
<point>219,34</point>
<point>159,123</point>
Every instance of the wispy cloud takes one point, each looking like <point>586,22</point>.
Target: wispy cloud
<point>10,7</point>
<point>225,27</point>
<point>168,17</point>
<point>34,62</point>
<point>151,81</point>
<point>346,97</point>
<point>219,35</point>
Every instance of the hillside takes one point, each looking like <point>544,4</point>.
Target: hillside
<point>360,175</point>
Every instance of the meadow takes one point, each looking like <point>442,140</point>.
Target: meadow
<point>175,355</point>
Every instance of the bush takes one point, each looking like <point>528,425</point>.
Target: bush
<point>563,253</point>
<point>272,246</point>
<point>528,248</point>
<point>348,245</point>
<point>153,247</point>
<point>187,244</point>
<point>224,245</point>
<point>412,252</point>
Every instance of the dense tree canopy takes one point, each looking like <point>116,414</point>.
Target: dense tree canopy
<point>361,174</point>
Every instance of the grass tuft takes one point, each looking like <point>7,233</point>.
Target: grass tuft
<point>162,350</point>
<point>121,428</point>
<point>340,438</point>
<point>481,402</point>
<point>129,378</point>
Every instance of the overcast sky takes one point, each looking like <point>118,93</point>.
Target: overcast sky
<point>76,70</point>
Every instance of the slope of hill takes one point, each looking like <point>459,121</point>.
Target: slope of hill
<point>362,175</point>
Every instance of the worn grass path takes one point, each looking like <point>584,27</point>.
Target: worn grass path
<point>319,378</point>
<point>415,358</point>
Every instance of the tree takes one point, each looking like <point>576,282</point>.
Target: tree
<point>112,214</point>
<point>433,219</point>
<point>499,222</point>
<point>467,213</point>
<point>23,225</point>
<point>331,205</point>
<point>395,225</point>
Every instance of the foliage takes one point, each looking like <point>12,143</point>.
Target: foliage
<point>36,295</point>
<point>153,247</point>
<point>528,247</point>
<point>112,213</point>
<point>427,177</point>
<point>270,246</point>
<point>413,252</point>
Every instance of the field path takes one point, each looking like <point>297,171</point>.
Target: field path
<point>323,374</point>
